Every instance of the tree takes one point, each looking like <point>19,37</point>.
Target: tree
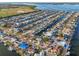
<point>45,39</point>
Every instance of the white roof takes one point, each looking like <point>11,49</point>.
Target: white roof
<point>48,33</point>
<point>62,43</point>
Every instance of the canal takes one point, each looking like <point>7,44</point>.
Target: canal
<point>51,25</point>
<point>75,41</point>
<point>5,52</point>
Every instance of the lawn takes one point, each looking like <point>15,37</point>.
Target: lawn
<point>13,11</point>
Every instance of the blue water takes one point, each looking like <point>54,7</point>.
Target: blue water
<point>75,41</point>
<point>64,7</point>
<point>23,45</point>
<point>50,25</point>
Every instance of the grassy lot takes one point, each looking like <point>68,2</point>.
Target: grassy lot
<point>13,11</point>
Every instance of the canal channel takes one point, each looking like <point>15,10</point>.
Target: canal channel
<point>75,41</point>
<point>5,52</point>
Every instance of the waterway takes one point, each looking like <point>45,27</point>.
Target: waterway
<point>63,7</point>
<point>75,39</point>
<point>66,7</point>
<point>5,52</point>
<point>75,42</point>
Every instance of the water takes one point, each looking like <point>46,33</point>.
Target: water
<point>5,52</point>
<point>52,24</point>
<point>64,7</point>
<point>75,42</point>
